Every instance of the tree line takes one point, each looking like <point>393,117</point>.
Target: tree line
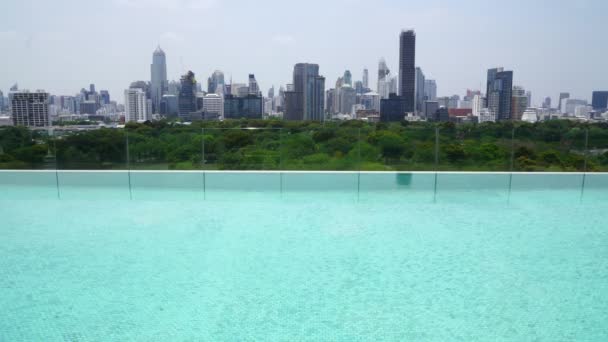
<point>558,145</point>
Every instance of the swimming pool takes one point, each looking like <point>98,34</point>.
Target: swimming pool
<point>289,256</point>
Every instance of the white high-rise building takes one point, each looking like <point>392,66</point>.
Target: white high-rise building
<point>159,85</point>
<point>213,106</point>
<point>487,115</point>
<point>365,78</point>
<point>479,103</point>
<point>137,107</point>
<point>383,79</point>
<point>530,115</point>
<point>371,101</point>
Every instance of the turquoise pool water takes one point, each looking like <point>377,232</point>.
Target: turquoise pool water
<point>303,257</point>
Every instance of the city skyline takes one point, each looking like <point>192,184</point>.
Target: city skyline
<point>541,64</point>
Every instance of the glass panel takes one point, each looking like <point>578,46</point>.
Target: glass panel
<point>227,184</point>
<point>329,148</point>
<point>552,146</point>
<point>97,149</point>
<point>412,187</point>
<point>598,147</point>
<point>335,185</point>
<point>164,147</point>
<point>475,147</point>
<point>242,148</point>
<point>93,185</point>
<point>22,148</point>
<point>398,147</point>
<point>167,186</point>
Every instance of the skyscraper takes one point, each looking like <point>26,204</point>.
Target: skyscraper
<point>306,101</point>
<point>499,93</point>
<point>383,79</point>
<point>519,103</point>
<point>136,106</point>
<point>254,89</point>
<point>407,69</point>
<point>187,96</point>
<point>365,78</point>
<point>30,108</point>
<point>420,96</point>
<point>562,97</point>
<point>348,78</point>
<point>159,84</point>
<point>215,83</point>
<point>599,100</point>
<point>430,90</point>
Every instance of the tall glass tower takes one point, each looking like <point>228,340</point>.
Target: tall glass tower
<point>407,69</point>
<point>159,84</point>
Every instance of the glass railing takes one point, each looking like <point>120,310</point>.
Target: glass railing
<point>555,146</point>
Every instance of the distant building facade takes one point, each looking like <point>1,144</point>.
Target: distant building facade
<point>407,69</point>
<point>599,100</point>
<point>187,96</point>
<point>30,109</point>
<point>499,93</point>
<point>248,107</point>
<point>158,84</point>
<point>307,99</point>
<point>137,107</point>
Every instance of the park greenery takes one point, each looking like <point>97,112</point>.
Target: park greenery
<point>283,145</point>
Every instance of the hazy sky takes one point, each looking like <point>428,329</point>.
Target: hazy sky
<point>63,45</point>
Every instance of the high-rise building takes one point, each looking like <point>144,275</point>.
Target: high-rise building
<point>599,100</point>
<point>430,108</point>
<point>306,101</point>
<point>249,107</point>
<point>420,97</point>
<point>158,84</point>
<point>547,103</point>
<point>383,79</point>
<point>187,96</point>
<point>215,83</point>
<point>1,101</point>
<point>430,90</point>
<point>30,109</point>
<point>359,87</point>
<point>479,102</point>
<point>393,109</point>
<point>365,78</point>
<point>137,106</point>
<point>371,101</point>
<point>519,103</point>
<point>254,89</point>
<point>348,78</point>
<point>213,107</point>
<point>104,96</point>
<point>562,97</point>
<point>454,102</point>
<point>499,93</point>
<point>330,98</point>
<point>407,69</point>
<point>346,99</point>
<point>169,106</point>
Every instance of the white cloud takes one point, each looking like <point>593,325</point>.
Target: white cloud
<point>283,39</point>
